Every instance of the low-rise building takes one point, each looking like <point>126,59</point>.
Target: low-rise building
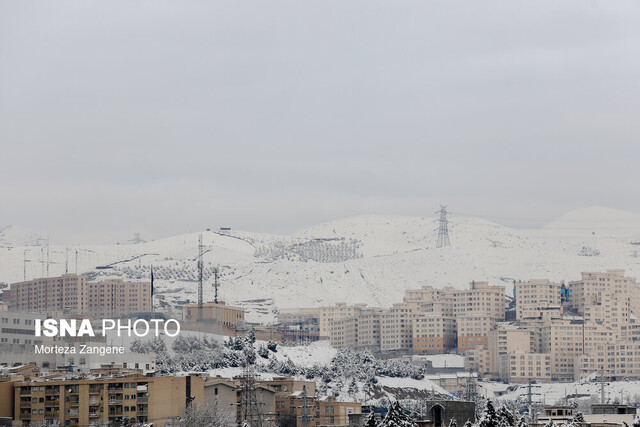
<point>93,401</point>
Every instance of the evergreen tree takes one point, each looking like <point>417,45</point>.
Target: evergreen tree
<point>371,420</point>
<point>251,337</point>
<point>489,417</point>
<point>453,423</point>
<point>396,417</point>
<point>636,421</point>
<point>578,418</point>
<point>353,388</point>
<point>505,416</point>
<point>468,424</point>
<point>522,421</point>
<point>550,424</point>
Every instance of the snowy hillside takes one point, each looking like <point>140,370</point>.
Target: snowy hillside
<point>370,259</point>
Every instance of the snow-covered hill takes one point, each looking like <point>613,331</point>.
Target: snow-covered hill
<point>369,259</point>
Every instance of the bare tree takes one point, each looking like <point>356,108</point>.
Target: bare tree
<point>209,414</point>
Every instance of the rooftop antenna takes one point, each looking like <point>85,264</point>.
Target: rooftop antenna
<point>42,262</point>
<point>47,257</point>
<point>200,276</point>
<point>443,229</point>
<point>25,264</point>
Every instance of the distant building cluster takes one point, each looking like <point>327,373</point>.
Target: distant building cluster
<point>73,293</point>
<point>555,332</point>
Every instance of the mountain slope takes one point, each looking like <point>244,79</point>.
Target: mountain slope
<point>370,259</point>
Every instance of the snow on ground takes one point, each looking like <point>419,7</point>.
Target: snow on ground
<point>444,360</point>
<point>554,393</point>
<point>367,259</point>
<point>316,353</point>
<point>405,383</point>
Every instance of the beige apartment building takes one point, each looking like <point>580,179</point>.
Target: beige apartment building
<point>73,293</point>
<point>214,312</point>
<point>613,282</point>
<point>479,298</point>
<point>19,328</point>
<point>338,311</point>
<point>94,401</point>
<point>362,330</point>
<point>563,339</point>
<point>225,397</point>
<point>427,321</point>
<point>298,315</point>
<point>534,296</point>
<point>424,295</point>
<point>296,400</point>
<point>396,329</point>
<point>433,333</point>
<point>520,367</point>
<point>473,331</point>
<point>506,338</point>
<point>615,361</point>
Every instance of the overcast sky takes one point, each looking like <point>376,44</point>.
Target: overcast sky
<point>170,116</point>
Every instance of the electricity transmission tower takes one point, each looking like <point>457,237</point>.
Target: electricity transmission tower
<point>443,229</point>
<point>250,407</point>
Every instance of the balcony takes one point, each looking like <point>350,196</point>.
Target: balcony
<point>73,412</point>
<point>52,414</point>
<point>117,413</point>
<point>25,391</point>
<point>51,392</point>
<point>115,401</point>
<point>142,399</point>
<point>94,414</point>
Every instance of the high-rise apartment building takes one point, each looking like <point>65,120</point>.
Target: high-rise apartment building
<point>73,293</point>
<point>534,296</point>
<point>564,340</point>
<point>338,311</point>
<point>594,285</point>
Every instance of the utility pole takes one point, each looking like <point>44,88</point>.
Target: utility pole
<point>471,386</point>
<point>602,386</point>
<point>305,410</point>
<point>200,276</point>
<point>443,229</point>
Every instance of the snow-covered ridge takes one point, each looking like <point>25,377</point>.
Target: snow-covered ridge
<point>367,259</point>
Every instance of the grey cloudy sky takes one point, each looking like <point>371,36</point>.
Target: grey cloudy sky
<point>170,116</point>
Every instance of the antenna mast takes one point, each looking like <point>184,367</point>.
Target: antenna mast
<point>25,264</point>
<point>200,276</point>
<point>443,229</point>
<point>215,284</point>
